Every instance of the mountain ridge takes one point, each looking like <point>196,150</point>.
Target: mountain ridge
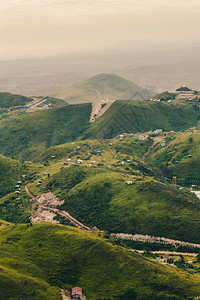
<point>104,86</point>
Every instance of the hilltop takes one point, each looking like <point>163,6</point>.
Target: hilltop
<point>103,86</point>
<point>10,100</point>
<point>182,94</point>
<point>37,260</point>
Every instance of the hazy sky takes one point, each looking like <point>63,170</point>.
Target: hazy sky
<point>33,28</point>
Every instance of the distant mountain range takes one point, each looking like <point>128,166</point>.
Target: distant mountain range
<point>103,87</point>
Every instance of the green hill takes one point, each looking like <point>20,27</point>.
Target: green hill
<point>143,116</point>
<point>10,172</point>
<point>179,158</point>
<point>103,86</point>
<point>9,100</point>
<point>36,260</point>
<point>165,96</point>
<point>31,133</point>
<point>102,198</point>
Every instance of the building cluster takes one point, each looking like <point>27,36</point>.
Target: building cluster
<point>185,93</point>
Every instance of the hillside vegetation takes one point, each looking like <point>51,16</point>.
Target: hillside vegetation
<point>103,86</point>
<point>103,199</point>
<point>179,158</point>
<point>100,196</point>
<point>10,172</point>
<point>143,116</point>
<point>36,260</point>
<point>9,100</point>
<point>31,133</point>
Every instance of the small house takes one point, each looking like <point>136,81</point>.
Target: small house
<point>129,182</point>
<point>141,137</point>
<point>158,131</point>
<point>163,144</point>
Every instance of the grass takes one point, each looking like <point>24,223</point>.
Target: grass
<point>67,257</point>
<point>102,198</point>
<point>143,116</point>
<point>179,158</point>
<point>31,133</point>
<point>99,196</point>
<point>11,172</point>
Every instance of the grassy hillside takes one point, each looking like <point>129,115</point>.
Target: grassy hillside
<point>10,172</point>
<point>53,102</point>
<point>15,208</point>
<point>9,100</point>
<point>31,133</point>
<point>142,116</point>
<point>102,198</point>
<point>103,86</point>
<point>35,257</point>
<point>179,158</point>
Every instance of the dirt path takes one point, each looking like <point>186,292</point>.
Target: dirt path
<point>42,208</point>
<point>28,192</point>
<point>97,109</point>
<point>153,239</point>
<point>157,140</point>
<point>65,296</point>
<point>32,201</point>
<point>168,253</point>
<point>67,216</point>
<point>75,222</point>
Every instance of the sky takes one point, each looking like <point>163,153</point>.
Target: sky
<point>39,28</point>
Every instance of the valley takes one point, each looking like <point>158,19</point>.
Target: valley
<point>102,195</point>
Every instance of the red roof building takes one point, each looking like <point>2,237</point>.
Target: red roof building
<point>77,291</point>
